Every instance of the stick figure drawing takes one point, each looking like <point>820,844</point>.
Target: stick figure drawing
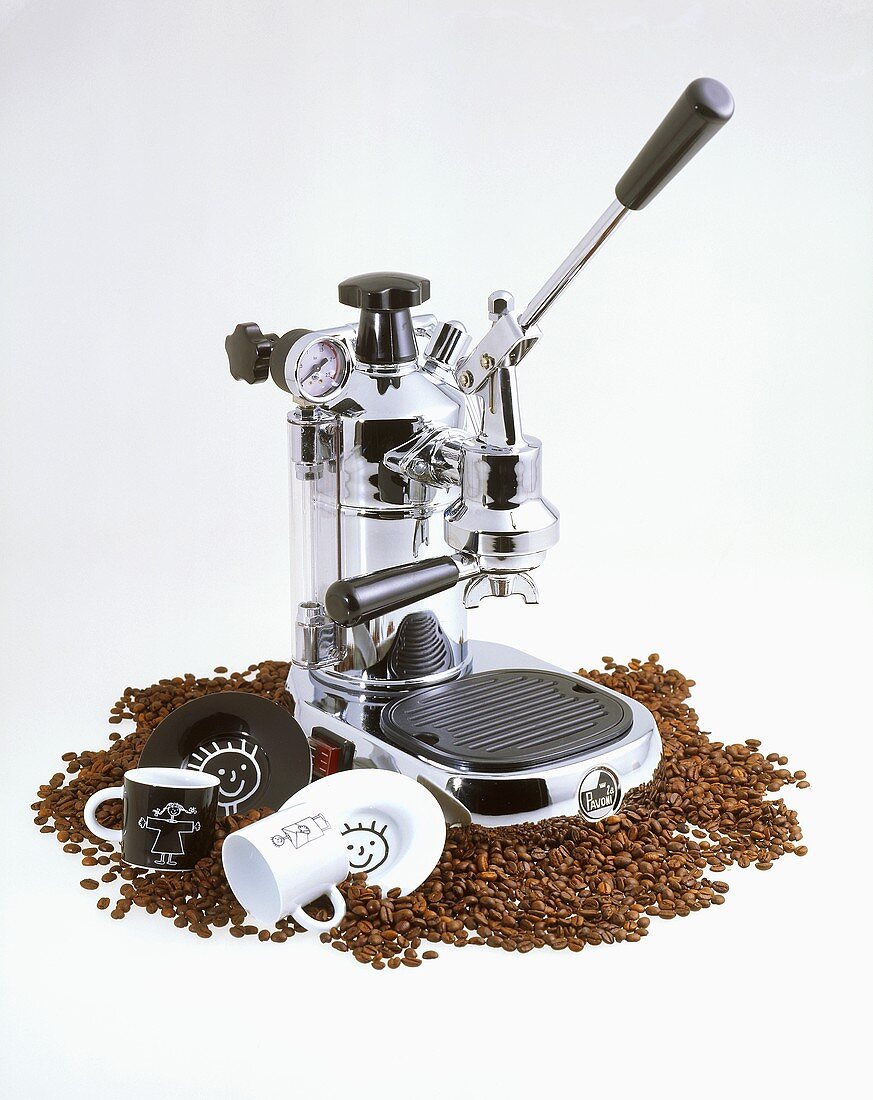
<point>170,830</point>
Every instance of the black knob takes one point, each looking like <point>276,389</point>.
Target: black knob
<point>385,332</point>
<point>386,290</point>
<point>248,350</point>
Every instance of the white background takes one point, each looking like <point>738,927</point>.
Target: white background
<point>704,397</point>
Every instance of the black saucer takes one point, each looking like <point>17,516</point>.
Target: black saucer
<point>255,747</point>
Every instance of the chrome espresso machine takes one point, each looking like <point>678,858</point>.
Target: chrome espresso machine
<point>415,494</point>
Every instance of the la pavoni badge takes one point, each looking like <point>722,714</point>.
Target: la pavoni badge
<point>599,793</point>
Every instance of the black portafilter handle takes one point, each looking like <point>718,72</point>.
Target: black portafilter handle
<point>358,599</point>
<point>698,114</point>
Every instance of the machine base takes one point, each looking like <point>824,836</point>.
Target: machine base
<point>509,742</point>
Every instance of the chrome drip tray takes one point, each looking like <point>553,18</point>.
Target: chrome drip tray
<point>507,720</point>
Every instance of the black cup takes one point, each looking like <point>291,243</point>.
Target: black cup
<point>169,817</point>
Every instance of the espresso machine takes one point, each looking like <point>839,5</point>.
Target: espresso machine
<point>415,494</point>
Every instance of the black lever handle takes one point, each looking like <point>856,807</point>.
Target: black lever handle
<point>698,114</point>
<point>354,601</point>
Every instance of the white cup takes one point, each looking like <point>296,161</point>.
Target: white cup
<point>285,861</point>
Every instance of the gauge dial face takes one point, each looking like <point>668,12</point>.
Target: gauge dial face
<point>321,369</point>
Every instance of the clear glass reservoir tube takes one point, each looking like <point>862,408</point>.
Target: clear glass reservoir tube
<point>314,533</point>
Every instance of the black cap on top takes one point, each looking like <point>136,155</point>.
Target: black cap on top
<point>385,332</point>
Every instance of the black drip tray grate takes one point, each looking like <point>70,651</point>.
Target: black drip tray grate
<point>507,720</point>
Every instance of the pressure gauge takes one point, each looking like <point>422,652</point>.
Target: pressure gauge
<point>314,366</point>
<point>321,369</point>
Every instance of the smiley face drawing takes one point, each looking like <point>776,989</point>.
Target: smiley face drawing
<point>366,845</point>
<point>233,762</point>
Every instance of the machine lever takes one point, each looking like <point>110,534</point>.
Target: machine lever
<point>698,114</point>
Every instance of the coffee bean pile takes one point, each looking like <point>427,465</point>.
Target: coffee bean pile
<point>560,883</point>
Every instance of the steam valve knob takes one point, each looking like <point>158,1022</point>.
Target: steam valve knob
<point>248,350</point>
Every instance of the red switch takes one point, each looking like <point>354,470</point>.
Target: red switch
<point>330,753</point>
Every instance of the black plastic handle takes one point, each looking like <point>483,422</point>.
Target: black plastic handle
<point>354,601</point>
<point>698,114</point>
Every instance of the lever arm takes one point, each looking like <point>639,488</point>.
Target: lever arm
<point>570,268</point>
<point>698,114</point>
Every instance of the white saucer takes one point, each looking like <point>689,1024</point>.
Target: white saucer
<point>393,828</point>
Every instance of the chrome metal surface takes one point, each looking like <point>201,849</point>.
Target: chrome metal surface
<point>316,637</point>
<point>311,438</point>
<point>384,516</point>
<point>500,584</point>
<point>506,342</point>
<point>424,325</point>
<point>500,426</point>
<point>501,515</point>
<point>561,278</point>
<point>500,302</point>
<point>447,344</point>
<point>433,456</point>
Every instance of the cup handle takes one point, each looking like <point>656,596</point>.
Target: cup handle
<point>91,822</point>
<point>339,911</point>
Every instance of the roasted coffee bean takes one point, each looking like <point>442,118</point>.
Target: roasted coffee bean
<point>561,883</point>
